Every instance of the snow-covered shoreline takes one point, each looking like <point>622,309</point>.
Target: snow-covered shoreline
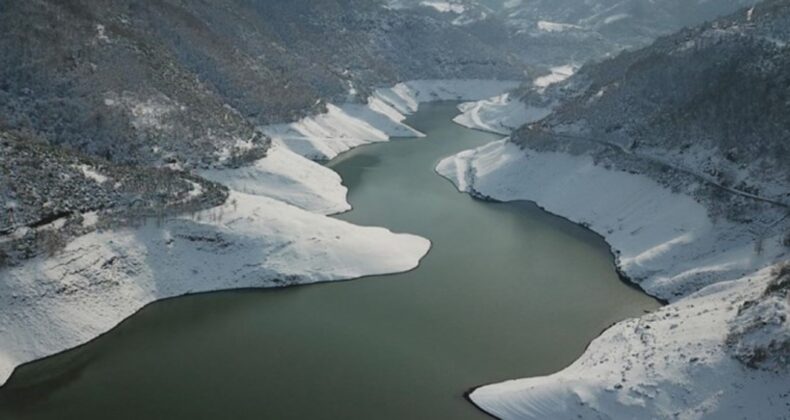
<point>504,113</point>
<point>273,231</point>
<point>668,364</point>
<point>666,242</point>
<point>499,115</point>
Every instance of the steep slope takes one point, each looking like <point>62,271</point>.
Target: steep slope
<point>164,82</point>
<point>711,100</point>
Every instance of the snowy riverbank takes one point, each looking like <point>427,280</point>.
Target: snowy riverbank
<point>500,114</point>
<point>273,231</point>
<point>504,113</point>
<point>670,363</point>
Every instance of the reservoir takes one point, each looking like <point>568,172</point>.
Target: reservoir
<point>507,291</point>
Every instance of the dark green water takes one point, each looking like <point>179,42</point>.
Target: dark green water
<point>507,291</point>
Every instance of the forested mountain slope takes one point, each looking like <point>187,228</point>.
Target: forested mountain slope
<point>186,81</point>
<point>712,100</point>
<point>559,32</point>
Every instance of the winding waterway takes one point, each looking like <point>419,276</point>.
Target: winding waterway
<point>507,291</point>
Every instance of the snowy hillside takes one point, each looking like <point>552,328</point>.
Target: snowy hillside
<point>676,154</point>
<point>156,88</point>
<point>712,100</point>
<point>154,149</point>
<point>187,82</point>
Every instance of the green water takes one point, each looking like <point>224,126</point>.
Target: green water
<point>507,291</point>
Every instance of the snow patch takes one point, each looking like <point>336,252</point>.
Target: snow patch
<point>101,34</point>
<point>558,74</point>
<point>146,113</point>
<point>289,177</point>
<point>547,26</point>
<point>444,6</point>
<point>616,18</point>
<point>500,114</point>
<point>90,219</point>
<point>92,174</point>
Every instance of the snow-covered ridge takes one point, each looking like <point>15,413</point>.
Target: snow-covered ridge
<point>273,231</point>
<point>670,363</point>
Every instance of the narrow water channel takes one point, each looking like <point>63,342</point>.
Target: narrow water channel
<point>507,291</point>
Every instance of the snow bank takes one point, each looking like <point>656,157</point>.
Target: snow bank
<point>547,26</point>
<point>557,75</point>
<point>324,136</point>
<point>668,364</point>
<point>406,97</point>
<point>288,173</point>
<point>500,114</point>
<point>51,305</point>
<point>672,363</point>
<point>289,177</point>
<point>663,240</point>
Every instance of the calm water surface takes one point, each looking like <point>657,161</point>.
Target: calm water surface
<point>507,291</point>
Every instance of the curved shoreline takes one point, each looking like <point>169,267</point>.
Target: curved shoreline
<point>509,173</point>
<point>567,228</point>
<point>615,260</point>
<point>37,335</point>
<point>618,264</point>
<point>614,255</point>
<point>247,289</point>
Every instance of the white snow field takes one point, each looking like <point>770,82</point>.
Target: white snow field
<point>289,177</point>
<point>669,364</point>
<point>273,231</point>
